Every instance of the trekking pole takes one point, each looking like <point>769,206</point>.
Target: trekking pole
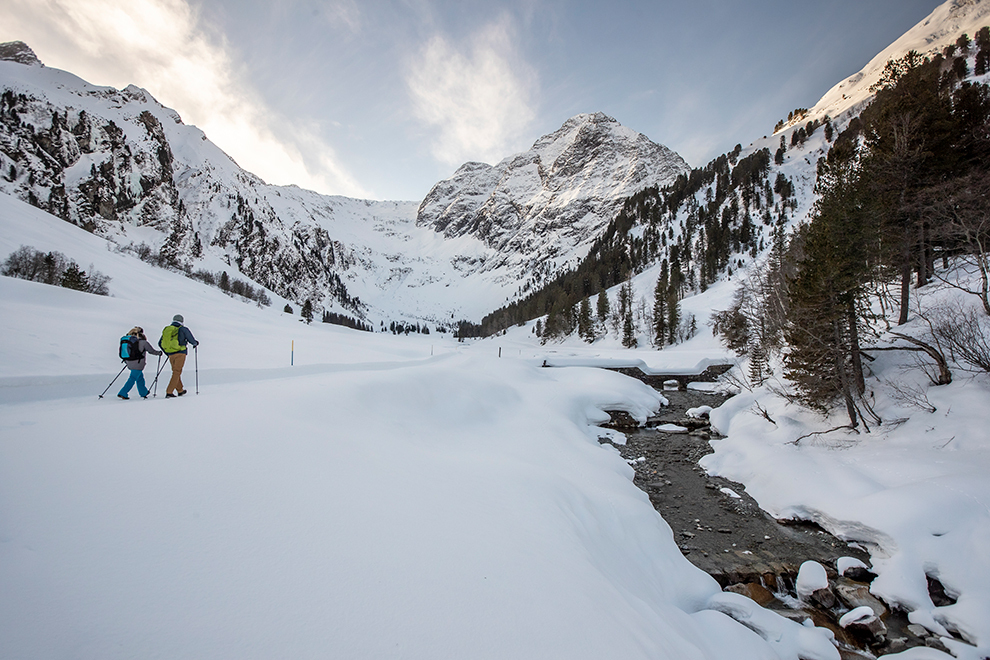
<point>196,358</point>
<point>113,381</point>
<point>155,384</point>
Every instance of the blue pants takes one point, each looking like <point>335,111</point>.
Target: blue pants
<point>136,378</point>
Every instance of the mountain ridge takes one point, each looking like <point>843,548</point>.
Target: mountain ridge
<point>124,166</point>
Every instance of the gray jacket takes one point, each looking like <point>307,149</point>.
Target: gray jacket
<point>145,347</point>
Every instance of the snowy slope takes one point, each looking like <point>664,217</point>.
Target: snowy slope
<point>371,501</point>
<point>941,28</point>
<point>414,497</point>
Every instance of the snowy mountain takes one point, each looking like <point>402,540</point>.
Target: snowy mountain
<point>121,165</point>
<point>723,218</point>
<point>542,207</point>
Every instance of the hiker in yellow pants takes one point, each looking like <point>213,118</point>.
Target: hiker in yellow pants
<point>175,340</point>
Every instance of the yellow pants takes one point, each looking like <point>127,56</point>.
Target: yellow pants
<point>177,360</point>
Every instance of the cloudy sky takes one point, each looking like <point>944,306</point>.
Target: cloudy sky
<point>382,98</point>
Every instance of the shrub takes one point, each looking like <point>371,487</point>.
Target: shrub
<point>55,269</point>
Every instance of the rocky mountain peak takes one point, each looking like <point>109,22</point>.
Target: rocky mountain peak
<point>545,205</point>
<point>576,127</point>
<point>20,52</point>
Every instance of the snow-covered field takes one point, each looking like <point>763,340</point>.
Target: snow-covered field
<point>416,497</point>
<point>383,497</point>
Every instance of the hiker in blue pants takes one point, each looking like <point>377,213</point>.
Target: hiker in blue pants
<point>136,364</point>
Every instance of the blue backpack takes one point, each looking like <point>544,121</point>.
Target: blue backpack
<point>129,348</point>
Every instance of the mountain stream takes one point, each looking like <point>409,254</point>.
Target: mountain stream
<point>723,531</point>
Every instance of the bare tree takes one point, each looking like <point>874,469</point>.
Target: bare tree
<point>962,208</point>
<point>966,333</point>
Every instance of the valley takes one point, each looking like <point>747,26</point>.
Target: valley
<point>475,454</point>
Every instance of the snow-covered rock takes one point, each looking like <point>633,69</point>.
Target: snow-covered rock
<point>812,584</point>
<point>843,564</point>
<point>20,52</point>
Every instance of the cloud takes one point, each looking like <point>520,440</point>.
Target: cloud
<point>160,45</point>
<point>343,14</point>
<point>479,99</point>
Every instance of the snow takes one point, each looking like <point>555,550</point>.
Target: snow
<point>843,564</point>
<point>415,497</point>
<point>699,412</point>
<point>731,493</point>
<point>384,497</point>
<point>810,578</point>
<point>941,28</point>
<point>856,615</point>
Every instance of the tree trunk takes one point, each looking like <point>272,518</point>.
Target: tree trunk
<point>905,291</point>
<point>984,264</point>
<point>944,374</point>
<point>854,351</point>
<point>839,356</point>
<point>922,262</point>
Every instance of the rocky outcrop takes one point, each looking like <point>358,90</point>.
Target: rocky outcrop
<point>84,168</point>
<point>20,52</point>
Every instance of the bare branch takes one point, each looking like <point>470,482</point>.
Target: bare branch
<point>847,427</point>
<point>763,413</point>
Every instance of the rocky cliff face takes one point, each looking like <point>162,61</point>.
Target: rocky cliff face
<point>549,203</point>
<point>121,165</point>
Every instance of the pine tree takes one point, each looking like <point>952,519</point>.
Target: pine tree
<point>824,360</point>
<point>585,324</point>
<point>73,278</point>
<point>757,364</point>
<point>909,133</point>
<point>569,320</point>
<point>307,312</point>
<point>555,323</point>
<point>623,318</point>
<point>673,317</point>
<point>602,308</point>
<point>660,310</point>
<point>628,331</point>
<point>621,304</point>
<point>224,282</point>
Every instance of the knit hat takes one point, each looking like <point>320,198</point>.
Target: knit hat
<point>135,331</point>
<point>177,318</point>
